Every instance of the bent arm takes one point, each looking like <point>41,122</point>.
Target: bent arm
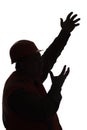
<point>53,52</point>
<point>32,106</point>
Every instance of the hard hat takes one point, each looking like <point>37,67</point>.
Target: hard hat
<point>22,49</point>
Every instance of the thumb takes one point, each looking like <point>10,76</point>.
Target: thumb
<point>51,75</point>
<point>63,70</point>
<point>61,22</point>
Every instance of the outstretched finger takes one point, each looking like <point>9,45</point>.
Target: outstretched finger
<point>61,22</point>
<point>67,72</point>
<point>51,75</point>
<point>76,20</point>
<point>77,24</point>
<point>69,15</point>
<point>63,71</point>
<point>73,16</point>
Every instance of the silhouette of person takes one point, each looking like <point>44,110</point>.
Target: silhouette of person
<point>26,104</point>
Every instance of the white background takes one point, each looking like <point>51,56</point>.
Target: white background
<point>39,21</point>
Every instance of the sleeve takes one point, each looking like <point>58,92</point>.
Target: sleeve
<point>32,106</point>
<point>53,52</point>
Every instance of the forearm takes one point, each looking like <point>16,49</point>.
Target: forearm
<point>59,43</point>
<point>33,107</point>
<point>54,50</point>
<point>55,94</point>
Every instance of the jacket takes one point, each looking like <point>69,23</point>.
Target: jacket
<point>18,117</point>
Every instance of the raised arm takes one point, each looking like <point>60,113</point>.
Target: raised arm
<point>35,107</point>
<point>54,50</point>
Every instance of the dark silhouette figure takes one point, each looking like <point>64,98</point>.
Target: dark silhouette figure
<point>26,104</point>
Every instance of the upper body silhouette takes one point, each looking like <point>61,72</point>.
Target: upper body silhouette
<point>26,104</point>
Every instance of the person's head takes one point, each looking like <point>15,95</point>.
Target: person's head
<point>27,57</point>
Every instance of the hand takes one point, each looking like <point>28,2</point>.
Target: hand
<point>57,81</point>
<point>70,23</point>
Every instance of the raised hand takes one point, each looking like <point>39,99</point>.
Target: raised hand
<point>57,81</point>
<point>70,23</point>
